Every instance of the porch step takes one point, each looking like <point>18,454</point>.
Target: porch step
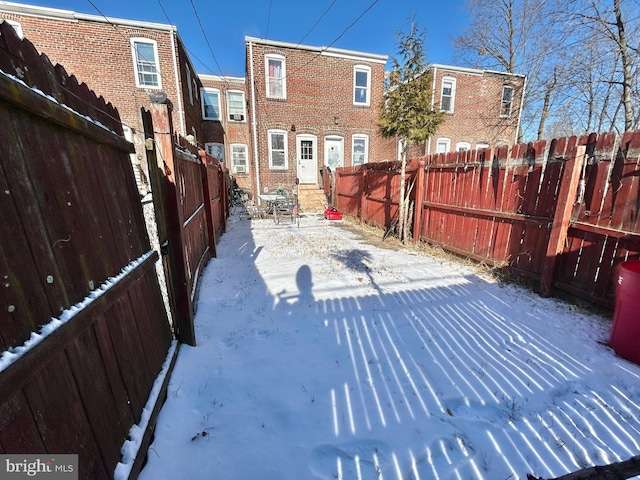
<point>311,198</point>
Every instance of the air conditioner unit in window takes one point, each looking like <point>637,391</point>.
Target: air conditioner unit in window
<point>238,117</point>
<point>241,169</point>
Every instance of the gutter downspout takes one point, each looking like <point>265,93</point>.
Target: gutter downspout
<point>433,99</point>
<point>254,123</point>
<point>176,73</point>
<point>524,88</point>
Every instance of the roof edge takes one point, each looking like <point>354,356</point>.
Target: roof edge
<point>477,71</point>
<point>221,78</point>
<point>69,15</point>
<point>373,57</point>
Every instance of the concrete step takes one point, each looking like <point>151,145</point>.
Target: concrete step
<point>311,198</point>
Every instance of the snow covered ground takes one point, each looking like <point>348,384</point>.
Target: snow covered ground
<point>320,356</point>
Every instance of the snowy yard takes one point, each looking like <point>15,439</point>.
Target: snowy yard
<point>320,356</point>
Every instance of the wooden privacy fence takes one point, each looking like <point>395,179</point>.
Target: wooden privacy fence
<point>191,203</point>
<point>564,213</point>
<point>83,329</point>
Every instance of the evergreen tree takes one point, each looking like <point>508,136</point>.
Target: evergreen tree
<point>407,113</point>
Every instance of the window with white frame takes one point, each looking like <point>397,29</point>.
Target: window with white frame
<point>448,95</point>
<point>276,76</point>
<point>481,146</point>
<point>443,145</point>
<point>278,149</point>
<point>216,150</point>
<point>463,147</point>
<point>361,85</point>
<point>239,163</point>
<point>360,152</point>
<point>16,26</point>
<point>145,61</point>
<point>236,105</point>
<point>507,101</point>
<point>210,101</point>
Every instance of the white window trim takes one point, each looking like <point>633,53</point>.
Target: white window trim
<point>208,145</point>
<point>360,136</point>
<point>362,68</point>
<point>513,90</point>
<point>17,26</point>
<point>461,145</point>
<point>286,149</point>
<point>282,59</point>
<point>133,41</point>
<point>233,164</point>
<point>244,107</point>
<point>451,80</point>
<point>481,146</point>
<point>443,141</point>
<point>204,91</point>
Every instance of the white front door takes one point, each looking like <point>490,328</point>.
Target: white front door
<point>307,155</point>
<point>334,152</point>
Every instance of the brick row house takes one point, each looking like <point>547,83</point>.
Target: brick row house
<point>298,110</point>
<point>482,108</point>
<point>225,121</point>
<point>125,61</point>
<point>311,108</point>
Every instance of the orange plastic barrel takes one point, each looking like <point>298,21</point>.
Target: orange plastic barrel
<point>625,331</point>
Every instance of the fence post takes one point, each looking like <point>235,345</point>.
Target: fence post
<point>419,202</point>
<point>183,308</point>
<point>223,177</point>
<point>363,194</point>
<point>562,216</point>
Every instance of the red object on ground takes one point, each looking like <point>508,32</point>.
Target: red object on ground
<point>330,213</point>
<point>625,332</point>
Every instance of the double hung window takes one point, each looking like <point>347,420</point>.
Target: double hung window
<point>210,101</point>
<point>278,149</point>
<point>145,60</point>
<point>276,76</point>
<point>361,85</point>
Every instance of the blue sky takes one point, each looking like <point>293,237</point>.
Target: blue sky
<point>226,23</point>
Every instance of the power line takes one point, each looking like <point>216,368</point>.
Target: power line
<point>353,23</point>
<point>191,54</point>
<point>205,37</point>
<point>268,20</point>
<point>324,49</point>
<point>317,22</point>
